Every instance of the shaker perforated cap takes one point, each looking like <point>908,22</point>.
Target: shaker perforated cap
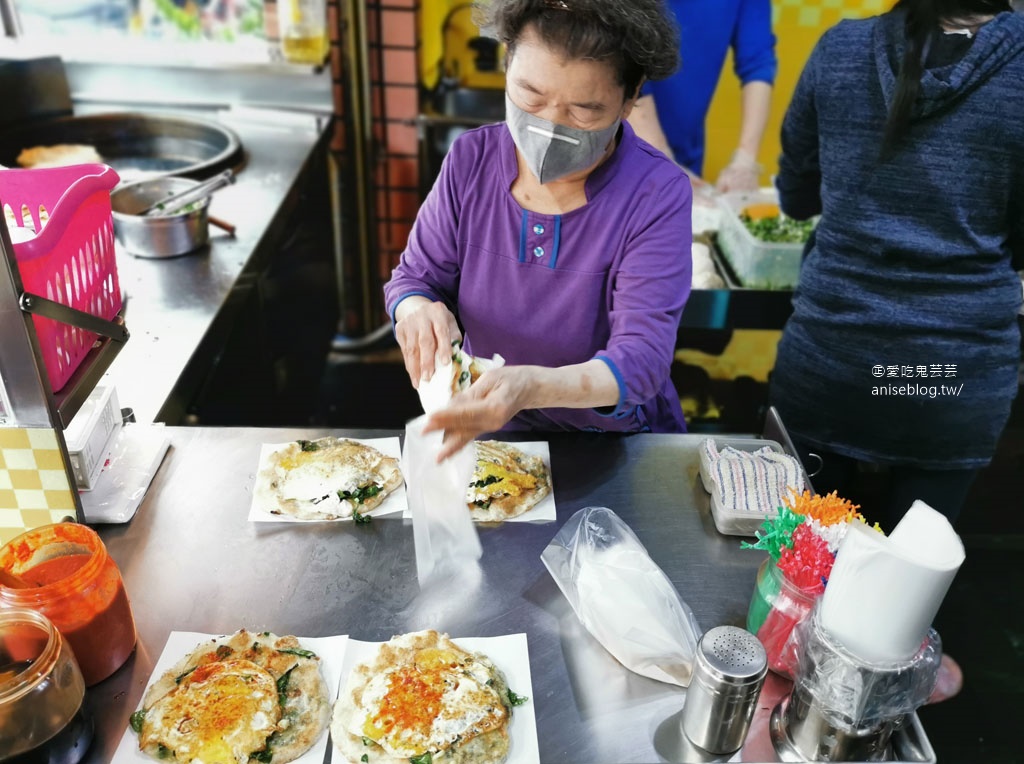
<point>729,655</point>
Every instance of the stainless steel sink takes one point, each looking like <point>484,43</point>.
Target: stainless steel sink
<point>137,145</point>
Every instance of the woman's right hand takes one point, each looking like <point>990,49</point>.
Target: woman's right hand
<point>425,330</point>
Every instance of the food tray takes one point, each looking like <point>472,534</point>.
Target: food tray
<point>65,253</point>
<point>729,520</point>
<point>757,264</point>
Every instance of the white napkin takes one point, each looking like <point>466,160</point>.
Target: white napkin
<point>443,532</point>
<point>883,593</point>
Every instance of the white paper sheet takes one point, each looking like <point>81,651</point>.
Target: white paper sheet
<point>509,653</point>
<point>332,652</point>
<point>545,510</point>
<point>260,510</point>
<point>883,593</point>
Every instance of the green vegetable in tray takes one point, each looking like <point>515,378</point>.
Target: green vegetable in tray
<point>780,229</point>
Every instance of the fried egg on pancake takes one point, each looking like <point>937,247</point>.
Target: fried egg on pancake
<point>185,717</point>
<point>506,482</point>
<point>424,694</point>
<point>327,479</point>
<point>220,713</point>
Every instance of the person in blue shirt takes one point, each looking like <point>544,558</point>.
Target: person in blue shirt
<point>671,113</point>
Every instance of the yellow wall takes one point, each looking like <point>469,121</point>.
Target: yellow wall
<point>798,24</point>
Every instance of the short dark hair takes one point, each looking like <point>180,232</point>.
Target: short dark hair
<point>639,38</point>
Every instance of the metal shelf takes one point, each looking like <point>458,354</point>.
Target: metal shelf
<point>87,376</point>
<point>110,336</point>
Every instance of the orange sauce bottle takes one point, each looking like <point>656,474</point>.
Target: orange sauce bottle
<point>72,580</point>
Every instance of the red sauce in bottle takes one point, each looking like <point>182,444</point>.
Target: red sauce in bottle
<point>52,571</point>
<point>76,585</point>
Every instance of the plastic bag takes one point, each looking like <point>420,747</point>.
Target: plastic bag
<point>443,532</point>
<point>622,597</point>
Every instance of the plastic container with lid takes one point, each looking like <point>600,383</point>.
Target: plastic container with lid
<point>758,264</point>
<point>42,717</point>
<point>74,583</point>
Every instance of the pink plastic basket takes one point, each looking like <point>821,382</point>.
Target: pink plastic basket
<point>71,258</point>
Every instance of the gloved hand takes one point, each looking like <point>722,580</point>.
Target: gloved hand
<point>743,173</point>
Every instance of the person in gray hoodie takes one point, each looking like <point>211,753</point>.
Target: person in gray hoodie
<point>900,362</point>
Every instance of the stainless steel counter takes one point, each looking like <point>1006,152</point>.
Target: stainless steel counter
<point>180,310</point>
<point>192,561</point>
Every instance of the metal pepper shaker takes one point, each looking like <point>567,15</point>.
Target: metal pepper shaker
<point>728,673</point>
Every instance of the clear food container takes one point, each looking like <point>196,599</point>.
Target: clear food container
<point>42,717</point>
<point>730,520</point>
<point>757,264</point>
<point>776,607</point>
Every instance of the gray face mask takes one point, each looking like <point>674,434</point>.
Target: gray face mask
<point>552,151</point>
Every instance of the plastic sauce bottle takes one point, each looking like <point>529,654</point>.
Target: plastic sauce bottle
<point>73,582</point>
<point>303,30</point>
<point>42,716</point>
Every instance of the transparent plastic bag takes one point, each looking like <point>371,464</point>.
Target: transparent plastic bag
<point>622,597</point>
<point>445,539</point>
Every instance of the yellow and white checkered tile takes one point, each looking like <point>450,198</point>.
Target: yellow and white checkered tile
<point>34,487</point>
<point>821,14</point>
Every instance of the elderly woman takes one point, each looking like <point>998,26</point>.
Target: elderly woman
<point>557,239</point>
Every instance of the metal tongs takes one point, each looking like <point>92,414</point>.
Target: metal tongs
<point>176,202</point>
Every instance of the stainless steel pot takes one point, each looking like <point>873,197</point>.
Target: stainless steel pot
<point>163,236</point>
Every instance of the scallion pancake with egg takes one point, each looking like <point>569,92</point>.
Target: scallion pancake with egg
<point>424,699</point>
<point>247,697</point>
<point>327,479</point>
<point>506,482</point>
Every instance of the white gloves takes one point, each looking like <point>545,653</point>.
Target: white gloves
<point>743,173</point>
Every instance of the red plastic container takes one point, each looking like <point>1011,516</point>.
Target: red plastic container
<point>71,257</point>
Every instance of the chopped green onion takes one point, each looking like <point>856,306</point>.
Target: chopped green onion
<point>136,720</point>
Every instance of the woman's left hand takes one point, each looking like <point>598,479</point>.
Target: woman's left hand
<point>486,406</point>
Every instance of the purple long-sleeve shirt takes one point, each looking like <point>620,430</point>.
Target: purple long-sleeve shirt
<point>608,280</point>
